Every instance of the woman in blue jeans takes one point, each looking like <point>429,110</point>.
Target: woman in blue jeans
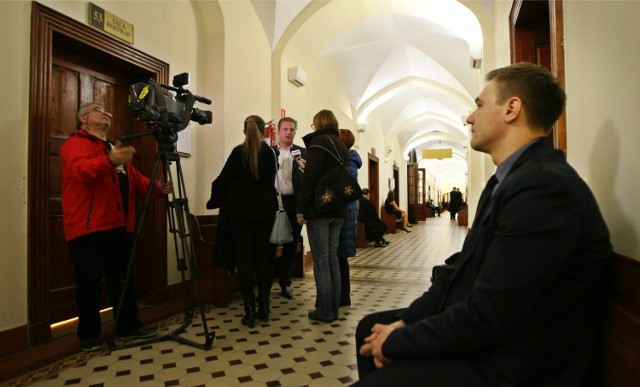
<point>323,228</point>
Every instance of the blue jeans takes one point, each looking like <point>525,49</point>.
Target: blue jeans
<point>324,235</point>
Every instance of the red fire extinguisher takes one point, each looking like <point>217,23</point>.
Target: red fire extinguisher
<point>270,134</point>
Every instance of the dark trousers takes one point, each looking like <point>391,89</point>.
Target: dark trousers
<point>254,254</point>
<point>289,250</point>
<point>431,372</point>
<point>95,255</point>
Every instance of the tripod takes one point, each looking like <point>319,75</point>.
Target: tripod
<point>180,226</point>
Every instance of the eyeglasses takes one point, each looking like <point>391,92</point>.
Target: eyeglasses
<point>100,110</point>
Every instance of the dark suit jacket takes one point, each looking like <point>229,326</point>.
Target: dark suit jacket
<point>297,176</point>
<point>522,304</point>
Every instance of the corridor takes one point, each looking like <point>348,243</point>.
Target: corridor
<point>289,350</point>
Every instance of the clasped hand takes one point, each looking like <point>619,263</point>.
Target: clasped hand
<point>373,343</point>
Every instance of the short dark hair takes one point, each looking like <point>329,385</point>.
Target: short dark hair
<point>543,99</point>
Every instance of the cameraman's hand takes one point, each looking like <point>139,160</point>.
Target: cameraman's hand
<point>164,187</point>
<point>121,155</point>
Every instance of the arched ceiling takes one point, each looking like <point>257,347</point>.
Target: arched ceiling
<point>409,61</point>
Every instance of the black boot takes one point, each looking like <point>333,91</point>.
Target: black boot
<point>249,318</point>
<point>263,308</point>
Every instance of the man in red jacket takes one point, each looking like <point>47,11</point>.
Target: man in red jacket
<point>98,205</point>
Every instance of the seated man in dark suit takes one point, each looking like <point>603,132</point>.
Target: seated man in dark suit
<point>435,209</point>
<point>374,226</point>
<point>522,302</point>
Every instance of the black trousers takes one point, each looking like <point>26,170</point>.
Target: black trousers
<point>94,256</point>
<point>428,372</point>
<point>254,254</point>
<point>289,250</point>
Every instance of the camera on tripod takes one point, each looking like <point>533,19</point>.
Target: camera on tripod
<point>166,107</point>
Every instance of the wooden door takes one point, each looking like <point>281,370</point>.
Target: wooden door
<point>76,82</point>
<point>537,36</point>
<point>73,64</point>
<point>374,181</point>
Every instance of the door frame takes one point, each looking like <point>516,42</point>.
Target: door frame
<point>46,26</point>
<point>525,19</point>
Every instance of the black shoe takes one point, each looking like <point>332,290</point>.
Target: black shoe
<point>263,311</point>
<point>379,244</point>
<point>313,315</point>
<point>141,333</point>
<point>91,345</point>
<point>406,229</point>
<point>249,318</point>
<point>286,292</point>
<point>385,243</point>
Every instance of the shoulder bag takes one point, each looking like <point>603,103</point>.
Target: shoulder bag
<point>337,187</point>
<point>281,231</point>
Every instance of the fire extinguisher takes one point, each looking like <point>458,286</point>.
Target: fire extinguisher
<point>270,134</point>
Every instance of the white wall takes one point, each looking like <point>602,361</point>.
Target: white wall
<point>14,130</point>
<point>602,65</point>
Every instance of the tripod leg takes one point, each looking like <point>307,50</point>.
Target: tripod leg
<point>182,229</point>
<point>134,243</point>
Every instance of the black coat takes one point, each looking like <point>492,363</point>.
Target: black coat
<point>522,305</point>
<point>319,161</point>
<point>239,194</point>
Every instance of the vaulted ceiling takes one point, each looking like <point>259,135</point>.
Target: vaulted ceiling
<point>414,63</point>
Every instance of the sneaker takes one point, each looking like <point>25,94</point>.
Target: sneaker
<point>286,292</point>
<point>91,345</point>
<point>142,333</point>
<point>379,244</point>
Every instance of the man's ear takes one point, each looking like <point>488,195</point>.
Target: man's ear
<point>513,109</point>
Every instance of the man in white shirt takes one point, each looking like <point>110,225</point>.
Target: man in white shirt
<point>291,161</point>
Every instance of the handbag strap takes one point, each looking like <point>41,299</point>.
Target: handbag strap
<point>280,207</point>
<point>335,156</point>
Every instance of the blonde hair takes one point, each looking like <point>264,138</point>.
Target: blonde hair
<point>254,132</point>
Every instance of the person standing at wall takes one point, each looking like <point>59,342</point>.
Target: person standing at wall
<point>291,160</point>
<point>323,228</point>
<point>349,230</point>
<point>245,193</point>
<point>99,188</point>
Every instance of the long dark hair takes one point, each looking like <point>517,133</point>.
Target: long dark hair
<point>254,132</point>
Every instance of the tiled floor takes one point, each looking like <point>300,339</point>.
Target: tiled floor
<point>289,350</point>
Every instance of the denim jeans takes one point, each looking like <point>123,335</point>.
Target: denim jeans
<point>324,236</point>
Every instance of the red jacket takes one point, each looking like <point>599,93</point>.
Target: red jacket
<point>91,196</point>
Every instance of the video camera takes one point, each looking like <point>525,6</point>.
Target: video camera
<point>166,107</point>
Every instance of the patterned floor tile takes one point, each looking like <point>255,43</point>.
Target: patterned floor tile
<point>289,350</point>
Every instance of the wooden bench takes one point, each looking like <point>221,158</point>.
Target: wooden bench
<point>620,363</point>
<point>390,220</point>
<point>216,284</point>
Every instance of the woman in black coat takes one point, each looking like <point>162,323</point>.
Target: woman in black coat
<point>323,228</point>
<point>245,193</point>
